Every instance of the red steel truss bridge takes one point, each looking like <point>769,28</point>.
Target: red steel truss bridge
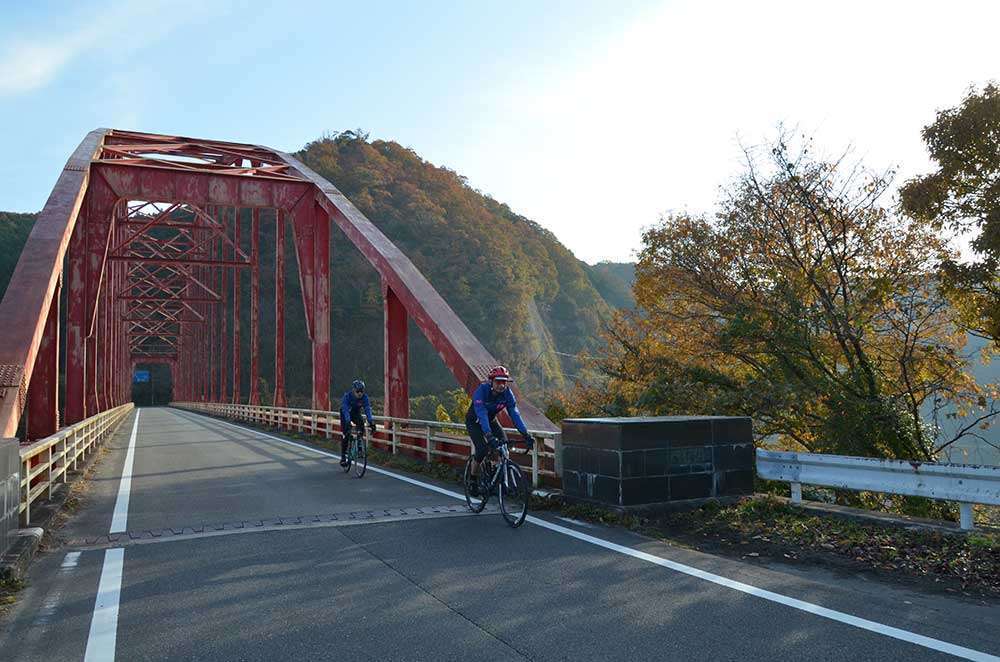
<point>143,232</point>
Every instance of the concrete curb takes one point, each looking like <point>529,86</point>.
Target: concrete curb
<point>14,563</point>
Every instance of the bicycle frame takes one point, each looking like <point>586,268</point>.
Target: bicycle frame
<point>501,467</point>
<point>353,438</point>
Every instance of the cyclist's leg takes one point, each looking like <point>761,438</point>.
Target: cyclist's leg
<point>478,440</point>
<point>344,431</point>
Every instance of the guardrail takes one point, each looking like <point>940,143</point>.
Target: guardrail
<point>966,484</point>
<point>44,462</point>
<point>432,439</point>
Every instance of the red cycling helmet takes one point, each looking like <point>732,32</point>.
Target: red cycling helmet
<point>499,372</point>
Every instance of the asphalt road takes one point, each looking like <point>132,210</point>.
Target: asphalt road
<point>239,546</point>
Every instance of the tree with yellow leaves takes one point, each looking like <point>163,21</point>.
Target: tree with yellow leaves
<point>804,303</point>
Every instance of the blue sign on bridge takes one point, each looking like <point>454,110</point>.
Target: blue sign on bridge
<point>140,376</point>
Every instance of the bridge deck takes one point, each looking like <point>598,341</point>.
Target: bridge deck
<point>241,546</point>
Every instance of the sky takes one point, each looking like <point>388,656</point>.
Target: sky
<point>591,118</point>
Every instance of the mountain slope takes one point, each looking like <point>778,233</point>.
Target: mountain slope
<point>614,280</point>
<point>14,229</point>
<point>519,290</point>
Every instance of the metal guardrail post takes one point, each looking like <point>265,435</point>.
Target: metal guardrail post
<point>796,492</point>
<point>76,447</point>
<point>428,444</point>
<point>48,473</point>
<point>965,516</point>
<point>534,464</point>
<point>395,433</point>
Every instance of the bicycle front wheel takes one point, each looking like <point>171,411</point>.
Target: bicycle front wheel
<point>347,456</point>
<point>474,499</point>
<point>513,490</point>
<point>361,457</point>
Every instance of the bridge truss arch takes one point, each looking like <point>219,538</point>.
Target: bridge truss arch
<point>143,231</point>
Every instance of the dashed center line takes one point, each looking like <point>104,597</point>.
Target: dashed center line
<point>354,518</point>
<point>70,561</point>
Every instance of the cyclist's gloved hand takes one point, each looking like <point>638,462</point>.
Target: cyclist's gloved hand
<point>371,428</point>
<point>529,441</point>
<point>492,440</point>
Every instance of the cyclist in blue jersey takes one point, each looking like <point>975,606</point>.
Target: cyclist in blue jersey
<point>489,399</point>
<point>350,412</point>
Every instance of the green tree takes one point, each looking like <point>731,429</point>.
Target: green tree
<point>460,402</point>
<point>963,194</point>
<point>441,414</point>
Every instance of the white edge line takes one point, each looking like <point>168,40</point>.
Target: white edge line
<point>104,625</point>
<point>119,521</point>
<point>802,605</point>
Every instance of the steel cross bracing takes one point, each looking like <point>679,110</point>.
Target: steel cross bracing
<point>143,240</point>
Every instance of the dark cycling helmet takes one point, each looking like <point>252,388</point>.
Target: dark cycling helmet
<point>499,372</point>
<point>358,385</point>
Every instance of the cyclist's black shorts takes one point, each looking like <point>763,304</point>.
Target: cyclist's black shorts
<point>477,436</point>
<point>356,417</point>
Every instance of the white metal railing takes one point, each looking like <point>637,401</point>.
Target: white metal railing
<point>432,439</point>
<point>966,484</point>
<point>44,463</point>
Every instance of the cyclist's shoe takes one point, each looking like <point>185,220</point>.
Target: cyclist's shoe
<point>344,462</point>
<point>473,486</point>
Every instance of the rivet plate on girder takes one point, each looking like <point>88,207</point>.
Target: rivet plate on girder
<point>10,374</point>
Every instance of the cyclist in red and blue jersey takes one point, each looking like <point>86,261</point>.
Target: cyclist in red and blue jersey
<point>350,412</point>
<point>489,399</point>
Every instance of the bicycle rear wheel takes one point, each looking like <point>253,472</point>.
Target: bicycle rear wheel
<point>360,455</point>
<point>513,495</point>
<point>476,502</point>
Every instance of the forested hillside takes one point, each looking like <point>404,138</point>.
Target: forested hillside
<point>614,281</point>
<point>519,290</point>
<point>14,229</point>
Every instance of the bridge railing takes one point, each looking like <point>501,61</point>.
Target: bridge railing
<point>964,483</point>
<point>431,440</point>
<point>44,463</point>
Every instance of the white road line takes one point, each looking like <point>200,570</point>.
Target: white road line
<point>841,617</point>
<point>70,560</point>
<point>802,605</point>
<point>104,626</point>
<point>576,522</point>
<point>119,521</point>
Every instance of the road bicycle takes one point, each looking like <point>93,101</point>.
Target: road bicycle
<point>500,475</point>
<point>357,452</point>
